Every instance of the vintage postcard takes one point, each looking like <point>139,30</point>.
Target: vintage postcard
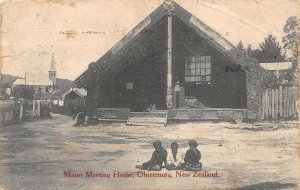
<point>149,94</point>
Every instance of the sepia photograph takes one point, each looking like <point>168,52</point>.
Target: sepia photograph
<point>149,94</point>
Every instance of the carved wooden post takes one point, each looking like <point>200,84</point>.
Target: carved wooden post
<point>92,90</point>
<point>169,7</point>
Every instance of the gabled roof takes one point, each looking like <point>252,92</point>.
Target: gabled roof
<point>79,91</point>
<point>221,44</point>
<point>6,79</point>
<point>57,93</point>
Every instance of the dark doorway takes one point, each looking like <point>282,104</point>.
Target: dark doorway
<point>149,87</point>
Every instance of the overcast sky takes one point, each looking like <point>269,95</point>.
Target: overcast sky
<point>34,29</point>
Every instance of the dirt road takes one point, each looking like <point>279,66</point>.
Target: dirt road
<point>40,155</point>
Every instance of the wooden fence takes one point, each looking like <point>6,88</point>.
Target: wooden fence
<point>279,103</point>
<point>7,111</point>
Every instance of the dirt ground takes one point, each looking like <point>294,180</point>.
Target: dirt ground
<point>36,155</point>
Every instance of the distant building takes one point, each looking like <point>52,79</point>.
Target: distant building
<point>75,98</point>
<point>6,82</point>
<point>74,93</point>
<point>52,73</point>
<point>278,68</point>
<point>41,83</point>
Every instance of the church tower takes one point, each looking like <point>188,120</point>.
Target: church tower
<point>52,72</point>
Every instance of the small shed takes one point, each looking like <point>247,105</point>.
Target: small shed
<point>281,70</point>
<point>74,99</point>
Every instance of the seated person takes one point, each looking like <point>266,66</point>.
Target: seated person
<point>192,158</point>
<point>80,118</point>
<point>151,108</point>
<point>159,157</point>
<point>175,159</point>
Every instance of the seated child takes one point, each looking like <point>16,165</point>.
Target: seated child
<point>159,157</point>
<point>175,159</point>
<point>192,158</point>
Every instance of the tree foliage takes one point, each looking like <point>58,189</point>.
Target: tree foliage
<point>270,50</point>
<point>240,46</point>
<point>291,38</point>
<point>249,50</point>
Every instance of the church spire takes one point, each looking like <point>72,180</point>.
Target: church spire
<point>52,68</point>
<point>52,72</point>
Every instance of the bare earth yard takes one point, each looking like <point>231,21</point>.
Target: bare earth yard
<point>35,155</point>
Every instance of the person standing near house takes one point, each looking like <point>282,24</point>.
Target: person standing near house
<point>177,94</point>
<point>47,109</point>
<point>21,110</point>
<point>16,111</point>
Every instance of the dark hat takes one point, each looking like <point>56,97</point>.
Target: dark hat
<point>193,143</point>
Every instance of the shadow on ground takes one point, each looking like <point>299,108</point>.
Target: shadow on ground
<point>268,186</point>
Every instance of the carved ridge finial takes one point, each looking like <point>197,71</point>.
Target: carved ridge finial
<point>169,7</point>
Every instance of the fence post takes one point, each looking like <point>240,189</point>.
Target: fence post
<point>276,103</point>
<point>266,104</point>
<point>285,102</point>
<point>288,102</point>
<point>291,102</point>
<point>263,104</point>
<point>294,102</point>
<point>280,101</point>
<point>270,103</point>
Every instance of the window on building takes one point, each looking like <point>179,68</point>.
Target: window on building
<point>198,69</point>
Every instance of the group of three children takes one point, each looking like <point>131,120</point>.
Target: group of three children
<point>175,161</point>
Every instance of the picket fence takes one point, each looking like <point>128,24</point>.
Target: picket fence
<point>279,103</point>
